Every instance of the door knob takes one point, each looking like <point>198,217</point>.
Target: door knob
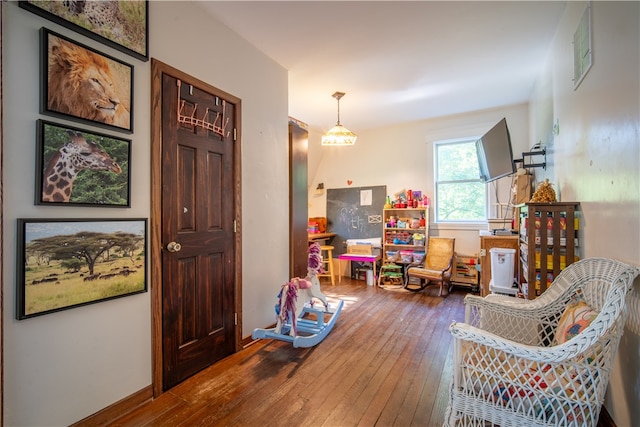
<point>174,247</point>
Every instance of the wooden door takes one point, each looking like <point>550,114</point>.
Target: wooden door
<point>298,199</point>
<point>197,226</point>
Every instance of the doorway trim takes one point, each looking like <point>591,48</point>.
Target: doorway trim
<point>156,245</point>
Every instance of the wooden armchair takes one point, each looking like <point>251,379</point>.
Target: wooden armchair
<point>437,265</point>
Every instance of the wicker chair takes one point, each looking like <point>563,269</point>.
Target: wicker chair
<point>543,362</point>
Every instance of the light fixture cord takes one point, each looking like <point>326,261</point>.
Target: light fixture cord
<point>337,96</point>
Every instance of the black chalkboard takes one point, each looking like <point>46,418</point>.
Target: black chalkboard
<point>349,218</point>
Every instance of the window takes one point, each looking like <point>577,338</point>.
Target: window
<point>460,194</point>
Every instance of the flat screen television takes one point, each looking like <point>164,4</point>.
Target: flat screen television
<point>495,156</point>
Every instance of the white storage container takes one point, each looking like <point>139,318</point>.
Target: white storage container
<point>369,277</point>
<point>502,279</point>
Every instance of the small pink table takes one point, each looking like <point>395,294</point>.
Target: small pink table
<point>359,258</point>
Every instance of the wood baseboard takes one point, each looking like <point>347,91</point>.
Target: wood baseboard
<point>605,419</point>
<point>248,340</point>
<point>118,409</point>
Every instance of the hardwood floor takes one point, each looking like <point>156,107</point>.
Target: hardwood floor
<point>387,362</point>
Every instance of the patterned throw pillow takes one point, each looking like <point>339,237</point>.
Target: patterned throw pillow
<point>576,317</point>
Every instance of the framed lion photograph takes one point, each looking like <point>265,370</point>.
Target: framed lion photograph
<point>84,85</point>
<point>81,167</point>
<point>120,24</point>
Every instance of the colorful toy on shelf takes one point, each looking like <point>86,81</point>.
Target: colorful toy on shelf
<point>296,302</point>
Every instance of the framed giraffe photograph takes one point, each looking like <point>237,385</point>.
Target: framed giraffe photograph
<point>120,24</point>
<point>65,263</point>
<point>81,167</point>
<point>82,84</point>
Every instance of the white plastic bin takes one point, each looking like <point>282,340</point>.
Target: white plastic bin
<point>369,277</point>
<point>502,278</point>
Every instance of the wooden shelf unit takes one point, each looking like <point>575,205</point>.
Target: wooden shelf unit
<point>486,244</point>
<point>465,271</point>
<point>389,233</point>
<point>547,246</point>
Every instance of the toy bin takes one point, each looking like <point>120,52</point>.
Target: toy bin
<point>406,256</point>
<point>502,278</point>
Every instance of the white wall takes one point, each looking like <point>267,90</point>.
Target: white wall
<point>595,157</point>
<point>62,367</point>
<point>401,157</point>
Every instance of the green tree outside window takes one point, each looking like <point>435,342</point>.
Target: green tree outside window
<point>460,194</point>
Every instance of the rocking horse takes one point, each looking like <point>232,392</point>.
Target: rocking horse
<point>296,301</point>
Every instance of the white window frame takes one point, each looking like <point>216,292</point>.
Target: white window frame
<point>459,224</point>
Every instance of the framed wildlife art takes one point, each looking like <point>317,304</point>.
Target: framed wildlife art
<point>66,263</point>
<point>82,84</point>
<point>120,24</point>
<point>81,168</point>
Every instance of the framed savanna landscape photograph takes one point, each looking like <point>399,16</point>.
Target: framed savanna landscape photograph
<point>120,24</point>
<point>76,167</point>
<point>85,85</point>
<point>66,263</point>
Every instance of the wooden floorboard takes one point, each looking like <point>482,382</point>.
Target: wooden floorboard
<point>426,401</point>
<point>386,362</point>
<point>367,386</point>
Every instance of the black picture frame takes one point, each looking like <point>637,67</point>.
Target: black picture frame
<point>67,263</point>
<point>84,85</point>
<point>80,167</point>
<point>129,33</point>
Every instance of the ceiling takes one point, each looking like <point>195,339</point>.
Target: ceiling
<point>397,61</point>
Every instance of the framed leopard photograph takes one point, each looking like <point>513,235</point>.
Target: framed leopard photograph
<point>120,24</point>
<point>78,167</point>
<point>85,85</point>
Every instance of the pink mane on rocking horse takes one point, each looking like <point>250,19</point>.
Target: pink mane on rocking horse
<point>297,292</point>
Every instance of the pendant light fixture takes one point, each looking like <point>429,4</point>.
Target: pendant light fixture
<point>339,135</point>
